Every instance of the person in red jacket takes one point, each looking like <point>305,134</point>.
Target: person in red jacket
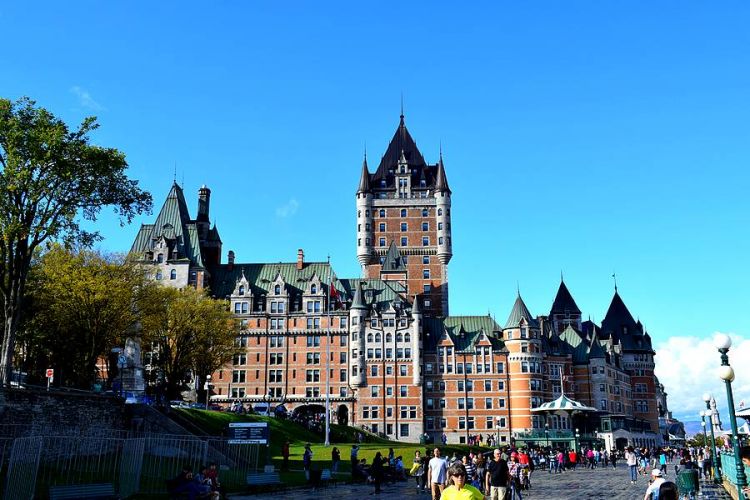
<point>573,457</point>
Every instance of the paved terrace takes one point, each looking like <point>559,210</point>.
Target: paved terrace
<point>601,483</point>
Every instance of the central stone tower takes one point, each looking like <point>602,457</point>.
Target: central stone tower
<point>406,203</point>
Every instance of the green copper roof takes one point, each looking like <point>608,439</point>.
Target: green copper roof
<point>579,348</point>
<point>519,312</point>
<point>464,331</point>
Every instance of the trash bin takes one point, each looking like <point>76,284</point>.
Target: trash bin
<point>688,483</point>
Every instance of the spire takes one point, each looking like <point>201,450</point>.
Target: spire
<point>564,301</point>
<point>357,301</point>
<point>618,318</point>
<point>519,312</point>
<point>441,184</point>
<point>364,180</point>
<point>415,307</point>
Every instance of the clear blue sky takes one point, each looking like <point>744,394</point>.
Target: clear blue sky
<point>588,137</point>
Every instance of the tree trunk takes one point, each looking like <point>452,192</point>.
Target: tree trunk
<point>10,327</point>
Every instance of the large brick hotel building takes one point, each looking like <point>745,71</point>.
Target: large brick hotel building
<point>399,363</point>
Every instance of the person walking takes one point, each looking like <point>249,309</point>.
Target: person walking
<point>437,472</point>
<point>376,472</point>
<point>307,460</point>
<point>460,489</point>
<point>335,459</point>
<point>354,460</point>
<point>632,460</point>
<point>418,472</point>
<point>496,478</point>
<point>515,469</point>
<point>285,455</point>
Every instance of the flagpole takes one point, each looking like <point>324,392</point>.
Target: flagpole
<point>328,358</point>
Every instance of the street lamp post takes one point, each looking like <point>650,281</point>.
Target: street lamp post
<point>208,388</point>
<point>497,426</point>
<point>577,435</point>
<point>703,424</point>
<point>714,455</point>
<point>546,432</point>
<point>723,342</point>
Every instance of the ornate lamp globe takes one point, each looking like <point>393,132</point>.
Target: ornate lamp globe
<point>722,341</point>
<point>726,373</point>
<point>706,397</point>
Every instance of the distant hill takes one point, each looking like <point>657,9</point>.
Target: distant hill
<point>693,427</point>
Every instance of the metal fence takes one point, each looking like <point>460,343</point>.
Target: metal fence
<point>133,465</point>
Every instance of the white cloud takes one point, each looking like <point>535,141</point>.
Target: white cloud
<point>687,366</point>
<point>288,209</point>
<point>85,99</point>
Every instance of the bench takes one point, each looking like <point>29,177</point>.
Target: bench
<point>75,491</point>
<point>263,479</point>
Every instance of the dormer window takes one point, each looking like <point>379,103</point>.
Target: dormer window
<point>241,290</point>
<point>313,288</point>
<point>277,290</point>
<point>173,274</point>
<point>382,183</point>
<point>422,183</point>
<point>524,332</point>
<point>160,258</point>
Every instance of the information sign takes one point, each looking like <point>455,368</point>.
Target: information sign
<point>248,433</point>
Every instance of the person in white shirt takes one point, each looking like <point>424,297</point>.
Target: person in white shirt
<point>437,473</point>
<point>652,492</point>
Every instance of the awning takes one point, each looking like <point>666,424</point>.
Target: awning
<point>563,403</point>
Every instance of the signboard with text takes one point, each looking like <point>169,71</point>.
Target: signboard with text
<point>248,433</point>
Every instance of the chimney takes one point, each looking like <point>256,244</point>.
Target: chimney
<point>204,200</point>
<point>230,260</point>
<point>300,259</point>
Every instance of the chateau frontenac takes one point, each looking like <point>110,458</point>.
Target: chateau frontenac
<point>384,344</point>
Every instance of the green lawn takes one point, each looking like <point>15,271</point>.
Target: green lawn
<point>342,437</point>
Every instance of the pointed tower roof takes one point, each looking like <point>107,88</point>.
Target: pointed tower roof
<point>519,312</point>
<point>596,350</point>
<point>564,302</point>
<point>394,262</point>
<point>617,317</point>
<point>358,300</point>
<point>402,141</point>
<point>441,183</point>
<point>415,306</point>
<point>364,180</point>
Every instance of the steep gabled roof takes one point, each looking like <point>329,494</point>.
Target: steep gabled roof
<point>394,262</point>
<point>596,350</point>
<point>618,317</point>
<point>564,302</point>
<point>401,141</point>
<point>173,224</point>
<point>464,332</point>
<point>519,312</point>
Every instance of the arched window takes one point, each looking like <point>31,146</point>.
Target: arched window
<point>242,290</point>
<point>173,274</point>
<point>378,337</point>
<point>160,258</point>
<point>313,288</point>
<point>369,337</point>
<point>407,338</point>
<point>440,211</point>
<point>382,213</point>
<point>159,276</point>
<point>277,290</point>
<point>399,337</point>
<point>389,337</point>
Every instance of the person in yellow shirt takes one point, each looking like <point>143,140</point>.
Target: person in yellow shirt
<point>459,490</point>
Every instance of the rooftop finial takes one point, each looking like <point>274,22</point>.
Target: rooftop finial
<point>402,106</point>
<point>518,288</point>
<point>441,149</point>
<point>174,178</point>
<point>561,276</point>
<point>614,277</point>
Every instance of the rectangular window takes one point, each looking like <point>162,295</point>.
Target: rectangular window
<point>403,391</point>
<point>425,226</point>
<point>381,242</point>
<point>381,226</point>
<point>404,430</point>
<point>404,227</point>
<point>425,241</point>
<point>402,370</point>
<point>404,241</point>
<point>488,403</point>
<point>426,274</point>
<point>238,376</point>
<point>374,390</point>
<point>425,259</point>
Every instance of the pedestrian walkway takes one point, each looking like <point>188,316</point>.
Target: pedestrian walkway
<point>581,484</point>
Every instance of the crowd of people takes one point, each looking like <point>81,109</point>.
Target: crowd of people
<point>203,485</point>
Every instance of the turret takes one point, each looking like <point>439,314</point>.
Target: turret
<point>416,353</point>
<point>204,201</point>
<point>364,218</point>
<point>443,199</point>
<point>358,321</point>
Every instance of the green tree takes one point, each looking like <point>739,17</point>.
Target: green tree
<point>50,177</point>
<point>193,334</point>
<point>84,304</point>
